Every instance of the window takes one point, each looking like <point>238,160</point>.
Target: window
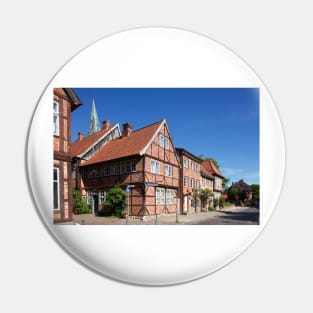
<point>160,196</point>
<point>56,127</point>
<point>192,185</point>
<point>186,163</point>
<point>161,140</point>
<point>168,170</point>
<point>56,189</point>
<point>74,170</point>
<point>107,170</point>
<point>155,166</point>
<point>133,166</point>
<point>197,184</point>
<point>192,166</point>
<point>92,173</point>
<point>114,169</point>
<point>166,143</point>
<point>122,167</point>
<point>102,197</point>
<point>186,181</point>
<point>95,172</point>
<point>127,166</point>
<point>169,196</point>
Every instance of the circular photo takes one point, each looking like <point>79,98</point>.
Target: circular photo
<point>155,156</point>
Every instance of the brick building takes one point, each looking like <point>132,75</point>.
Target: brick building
<point>64,102</point>
<point>190,181</point>
<point>146,160</point>
<point>84,148</point>
<point>209,167</point>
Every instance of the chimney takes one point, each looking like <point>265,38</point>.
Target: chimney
<point>127,129</point>
<point>105,125</point>
<point>80,136</point>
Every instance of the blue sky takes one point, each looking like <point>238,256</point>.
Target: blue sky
<point>222,123</point>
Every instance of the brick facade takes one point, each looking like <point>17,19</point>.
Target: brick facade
<point>64,102</point>
<point>154,172</point>
<point>190,181</point>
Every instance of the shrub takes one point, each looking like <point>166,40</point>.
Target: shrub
<point>215,203</point>
<point>80,206</point>
<point>221,202</point>
<point>116,200</point>
<point>211,208</point>
<point>204,196</point>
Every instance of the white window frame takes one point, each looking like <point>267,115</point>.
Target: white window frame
<point>133,166</point>
<point>161,140</point>
<point>197,184</point>
<point>159,196</point>
<point>170,196</point>
<point>154,166</point>
<point>186,182</point>
<point>56,118</point>
<point>102,196</point>
<point>192,164</point>
<point>58,187</point>
<point>168,170</point>
<point>192,183</point>
<point>166,143</point>
<point>186,163</point>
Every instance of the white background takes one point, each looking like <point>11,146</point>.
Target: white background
<point>274,38</point>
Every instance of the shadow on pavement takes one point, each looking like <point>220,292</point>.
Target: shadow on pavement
<point>240,216</point>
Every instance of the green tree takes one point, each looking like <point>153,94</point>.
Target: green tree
<point>205,195</point>
<point>221,202</point>
<point>214,161</point>
<point>116,200</point>
<point>255,191</point>
<point>201,157</point>
<point>233,193</point>
<point>80,206</point>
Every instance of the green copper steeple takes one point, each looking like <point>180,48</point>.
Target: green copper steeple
<point>94,121</point>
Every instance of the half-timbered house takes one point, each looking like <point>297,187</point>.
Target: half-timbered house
<point>84,148</point>
<point>145,160</point>
<point>210,168</point>
<point>64,102</point>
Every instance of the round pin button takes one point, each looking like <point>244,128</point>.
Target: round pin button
<point>155,156</point>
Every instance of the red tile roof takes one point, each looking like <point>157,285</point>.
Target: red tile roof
<point>79,146</point>
<point>125,146</point>
<point>211,168</point>
<point>205,172</point>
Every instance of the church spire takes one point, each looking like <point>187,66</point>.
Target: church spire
<point>94,121</point>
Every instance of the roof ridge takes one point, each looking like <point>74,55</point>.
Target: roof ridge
<point>134,131</point>
<point>96,133</point>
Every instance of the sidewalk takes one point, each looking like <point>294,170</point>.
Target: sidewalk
<point>225,216</point>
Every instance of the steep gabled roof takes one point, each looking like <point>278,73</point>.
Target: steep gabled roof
<point>134,144</point>
<point>205,172</point>
<point>211,168</point>
<point>79,147</point>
